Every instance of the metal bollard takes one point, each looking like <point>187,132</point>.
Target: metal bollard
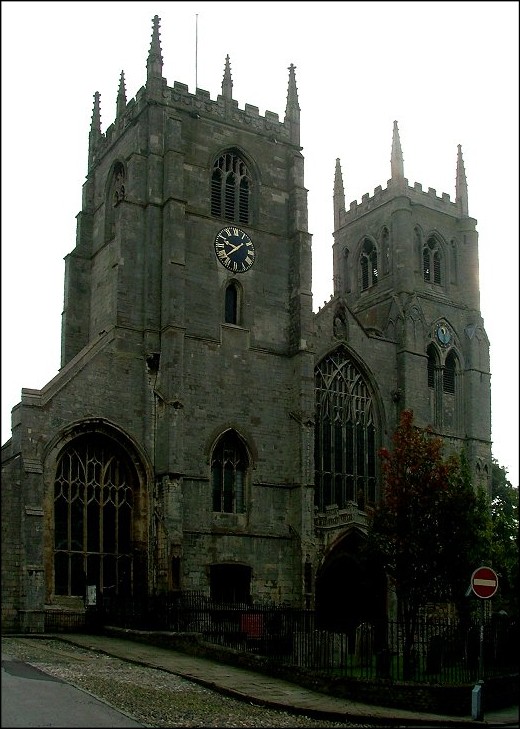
<point>476,702</point>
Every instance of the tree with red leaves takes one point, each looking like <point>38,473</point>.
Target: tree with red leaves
<point>430,529</point>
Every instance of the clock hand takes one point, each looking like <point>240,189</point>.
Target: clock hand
<point>235,248</point>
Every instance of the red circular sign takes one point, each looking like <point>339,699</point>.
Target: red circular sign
<point>484,582</point>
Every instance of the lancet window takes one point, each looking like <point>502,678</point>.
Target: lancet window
<point>231,304</point>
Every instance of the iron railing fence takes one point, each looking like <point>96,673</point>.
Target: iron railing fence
<point>443,650</point>
<point>64,621</point>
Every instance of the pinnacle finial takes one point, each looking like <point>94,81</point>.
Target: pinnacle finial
<point>461,185</point>
<point>227,83</point>
<point>396,161</point>
<point>95,135</point>
<point>121,96</point>
<point>338,180</point>
<point>155,62</point>
<point>292,109</point>
<point>339,195</point>
<point>95,125</point>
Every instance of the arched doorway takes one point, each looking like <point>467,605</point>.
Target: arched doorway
<point>350,588</point>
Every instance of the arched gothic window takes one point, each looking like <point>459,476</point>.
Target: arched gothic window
<point>229,465</point>
<point>445,395</point>
<point>432,261</point>
<point>345,434</point>
<point>231,188</point>
<point>94,491</point>
<point>231,314</point>
<point>369,272</point>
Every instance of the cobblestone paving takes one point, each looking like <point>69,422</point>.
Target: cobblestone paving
<point>152,697</point>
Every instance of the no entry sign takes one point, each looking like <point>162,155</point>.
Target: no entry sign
<point>484,582</point>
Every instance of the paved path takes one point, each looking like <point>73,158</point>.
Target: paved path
<point>33,698</point>
<point>273,692</point>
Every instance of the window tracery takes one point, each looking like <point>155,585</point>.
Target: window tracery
<point>432,261</point>
<point>231,188</point>
<point>229,466</point>
<point>368,262</point>
<point>94,492</point>
<point>345,434</point>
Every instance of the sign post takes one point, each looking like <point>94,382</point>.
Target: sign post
<point>484,583</point>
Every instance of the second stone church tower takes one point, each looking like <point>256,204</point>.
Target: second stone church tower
<point>207,431</point>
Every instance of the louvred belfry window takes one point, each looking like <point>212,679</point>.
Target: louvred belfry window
<point>231,188</point>
<point>368,262</point>
<point>448,375</point>
<point>432,261</point>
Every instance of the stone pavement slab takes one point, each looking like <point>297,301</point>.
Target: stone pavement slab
<point>273,692</point>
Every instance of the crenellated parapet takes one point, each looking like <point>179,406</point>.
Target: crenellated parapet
<point>198,105</point>
<point>398,187</point>
<point>417,196</point>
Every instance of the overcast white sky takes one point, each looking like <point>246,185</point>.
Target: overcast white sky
<point>446,71</point>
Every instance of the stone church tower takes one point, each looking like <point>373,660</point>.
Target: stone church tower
<point>206,430</point>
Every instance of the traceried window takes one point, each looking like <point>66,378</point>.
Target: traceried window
<point>432,261</point>
<point>368,262</point>
<point>93,513</point>
<point>228,474</point>
<point>231,188</point>
<point>345,434</point>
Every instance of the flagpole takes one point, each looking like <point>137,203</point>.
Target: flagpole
<point>196,47</point>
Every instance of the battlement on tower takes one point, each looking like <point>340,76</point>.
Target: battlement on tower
<point>199,105</point>
<point>395,188</point>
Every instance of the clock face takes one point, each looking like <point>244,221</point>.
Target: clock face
<point>443,334</point>
<point>234,249</point>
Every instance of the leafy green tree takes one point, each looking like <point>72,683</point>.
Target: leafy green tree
<point>430,529</point>
<point>505,540</point>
